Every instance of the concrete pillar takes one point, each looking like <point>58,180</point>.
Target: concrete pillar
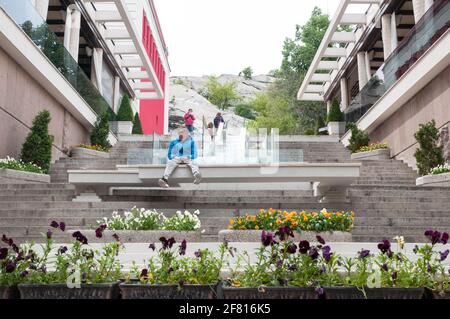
<point>344,94</point>
<point>419,9</point>
<point>386,35</point>
<point>116,94</point>
<point>394,35</point>
<point>97,68</point>
<point>328,106</point>
<point>362,71</point>
<point>67,28</point>
<point>428,5</point>
<point>166,104</point>
<point>42,8</point>
<point>74,45</point>
<point>367,65</point>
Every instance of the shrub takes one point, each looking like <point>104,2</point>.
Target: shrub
<point>335,114</point>
<point>244,111</point>
<point>441,169</point>
<point>429,154</point>
<point>125,112</point>
<point>373,147</point>
<point>221,95</point>
<point>18,165</point>
<point>37,148</point>
<point>137,126</point>
<point>100,133</point>
<point>358,138</point>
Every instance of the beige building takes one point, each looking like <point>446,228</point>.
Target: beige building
<point>77,59</point>
<point>390,73</point>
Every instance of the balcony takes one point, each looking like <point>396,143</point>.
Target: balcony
<point>23,13</point>
<point>415,44</point>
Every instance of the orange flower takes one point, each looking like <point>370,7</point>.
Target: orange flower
<point>305,218</point>
<point>256,227</point>
<point>232,221</point>
<point>278,222</point>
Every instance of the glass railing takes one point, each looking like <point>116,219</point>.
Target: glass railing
<point>420,38</point>
<point>237,146</point>
<point>26,16</point>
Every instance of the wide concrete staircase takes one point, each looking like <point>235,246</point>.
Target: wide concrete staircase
<point>385,199</point>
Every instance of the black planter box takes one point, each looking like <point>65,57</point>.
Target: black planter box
<point>9,292</point>
<point>373,293</point>
<point>61,291</point>
<point>269,293</point>
<point>143,291</point>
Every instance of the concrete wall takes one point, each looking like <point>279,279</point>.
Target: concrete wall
<point>21,98</point>
<point>432,102</point>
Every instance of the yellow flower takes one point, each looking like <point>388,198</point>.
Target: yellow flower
<point>339,214</point>
<point>256,227</point>
<point>232,221</point>
<point>236,283</point>
<point>278,222</point>
<point>305,218</point>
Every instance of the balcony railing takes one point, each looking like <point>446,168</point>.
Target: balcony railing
<point>419,39</point>
<point>26,17</point>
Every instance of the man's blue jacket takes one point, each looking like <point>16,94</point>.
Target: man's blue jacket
<point>178,148</point>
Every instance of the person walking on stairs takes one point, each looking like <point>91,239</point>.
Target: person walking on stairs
<point>189,119</point>
<point>181,151</point>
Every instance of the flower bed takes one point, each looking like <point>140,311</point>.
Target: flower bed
<point>89,151</point>
<point>373,147</point>
<point>374,152</point>
<point>253,236</point>
<point>19,165</point>
<point>442,180</point>
<point>272,219</point>
<point>145,219</point>
<point>442,169</point>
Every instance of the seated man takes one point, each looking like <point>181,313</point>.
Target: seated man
<point>181,151</point>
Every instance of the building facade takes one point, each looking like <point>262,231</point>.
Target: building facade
<point>390,70</point>
<point>77,59</point>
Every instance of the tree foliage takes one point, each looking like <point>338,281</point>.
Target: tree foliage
<point>429,154</point>
<point>100,133</point>
<point>335,114</point>
<point>137,126</point>
<point>221,95</point>
<point>37,148</point>
<point>358,138</point>
<point>247,73</point>
<point>280,107</point>
<point>125,112</point>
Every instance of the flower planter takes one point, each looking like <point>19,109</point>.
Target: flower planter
<point>61,291</point>
<point>269,293</point>
<point>121,127</point>
<point>255,236</point>
<point>373,293</point>
<point>9,292</point>
<point>376,155</point>
<point>14,176</point>
<point>343,293</point>
<point>336,128</point>
<point>435,294</point>
<point>143,236</point>
<point>81,152</point>
<point>142,291</point>
<point>434,180</point>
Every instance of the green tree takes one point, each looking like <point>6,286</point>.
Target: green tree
<point>247,73</point>
<point>100,132</point>
<point>125,112</point>
<point>37,148</point>
<point>429,154</point>
<point>335,114</point>
<point>245,111</point>
<point>281,102</point>
<point>358,138</point>
<point>221,95</point>
<point>137,126</point>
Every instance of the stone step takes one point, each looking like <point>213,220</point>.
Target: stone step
<point>54,192</point>
<point>402,221</point>
<point>395,230</point>
<point>36,198</point>
<point>398,206</point>
<point>210,193</point>
<point>406,198</point>
<point>38,186</point>
<point>378,238</point>
<point>399,192</point>
<point>410,212</point>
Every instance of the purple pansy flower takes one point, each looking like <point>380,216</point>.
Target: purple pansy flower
<point>320,240</point>
<point>444,254</point>
<point>183,248</point>
<point>303,246</point>
<point>364,253</point>
<point>152,246</point>
<point>3,253</point>
<point>267,238</point>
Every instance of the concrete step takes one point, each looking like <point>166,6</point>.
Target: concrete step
<point>435,222</point>
<point>378,238</point>
<point>211,193</point>
<point>406,198</point>
<point>53,192</point>
<point>392,231</point>
<point>410,212</point>
<point>36,198</point>
<point>38,186</point>
<point>397,206</point>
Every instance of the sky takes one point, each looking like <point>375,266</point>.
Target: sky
<point>213,37</point>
